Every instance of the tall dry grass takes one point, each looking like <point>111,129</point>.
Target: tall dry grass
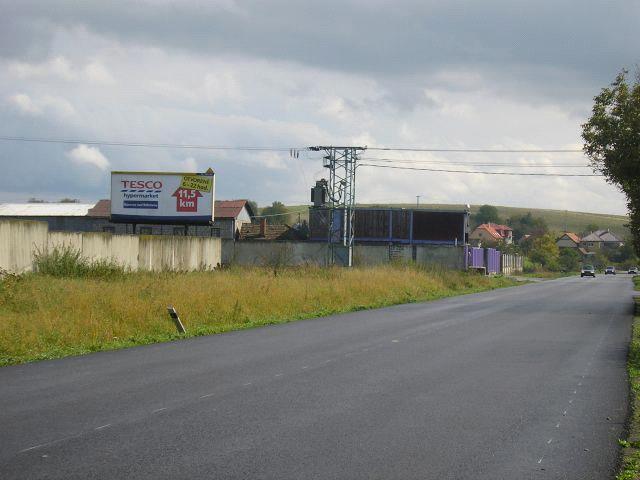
<point>42,316</point>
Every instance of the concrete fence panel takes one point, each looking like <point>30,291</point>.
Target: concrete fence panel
<point>18,241</point>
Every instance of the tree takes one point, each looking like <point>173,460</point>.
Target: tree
<point>68,200</point>
<point>545,252</point>
<point>276,213</point>
<point>569,259</point>
<point>592,227</point>
<point>612,142</point>
<point>487,214</point>
<point>254,207</point>
<point>527,225</point>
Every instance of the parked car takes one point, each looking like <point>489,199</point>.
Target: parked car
<point>588,271</point>
<point>633,271</point>
<point>610,270</point>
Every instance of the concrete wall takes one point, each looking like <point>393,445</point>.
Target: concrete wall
<point>445,256</point>
<point>317,253</point>
<point>20,240</point>
<point>270,253</point>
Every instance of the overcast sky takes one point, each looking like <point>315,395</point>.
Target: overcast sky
<point>292,73</point>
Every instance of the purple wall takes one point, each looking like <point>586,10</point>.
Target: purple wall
<point>493,260</point>
<point>475,257</point>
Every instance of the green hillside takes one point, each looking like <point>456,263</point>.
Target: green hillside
<point>557,220</point>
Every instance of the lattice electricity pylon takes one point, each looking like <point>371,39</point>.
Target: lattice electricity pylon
<point>341,191</point>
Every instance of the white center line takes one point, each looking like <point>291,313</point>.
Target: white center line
<point>395,341</point>
<point>103,426</point>
<point>207,395</point>
<point>159,410</point>
<point>32,448</point>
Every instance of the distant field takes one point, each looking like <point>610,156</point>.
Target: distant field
<point>558,220</point>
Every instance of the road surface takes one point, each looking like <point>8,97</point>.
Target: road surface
<point>524,382</point>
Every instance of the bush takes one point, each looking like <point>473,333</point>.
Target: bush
<point>66,261</point>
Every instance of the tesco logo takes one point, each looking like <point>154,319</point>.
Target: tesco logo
<point>148,184</point>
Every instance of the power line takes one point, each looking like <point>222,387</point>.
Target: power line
<point>484,172</point>
<point>474,164</point>
<point>475,150</point>
<point>144,144</point>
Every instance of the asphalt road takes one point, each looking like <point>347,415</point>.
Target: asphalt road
<point>525,382</point>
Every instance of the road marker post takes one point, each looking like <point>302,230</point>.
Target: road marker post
<point>176,319</point>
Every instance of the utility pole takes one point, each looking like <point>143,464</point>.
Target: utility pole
<point>418,201</point>
<point>341,190</point>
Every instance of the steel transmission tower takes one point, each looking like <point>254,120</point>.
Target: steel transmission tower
<point>341,191</point>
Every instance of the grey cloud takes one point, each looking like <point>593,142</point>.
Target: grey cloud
<point>370,37</point>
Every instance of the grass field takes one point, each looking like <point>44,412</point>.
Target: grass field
<point>45,317</point>
<point>557,220</point>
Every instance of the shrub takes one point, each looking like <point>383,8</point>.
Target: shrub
<point>66,261</point>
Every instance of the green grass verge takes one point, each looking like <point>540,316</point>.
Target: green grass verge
<point>46,316</point>
<point>630,465</point>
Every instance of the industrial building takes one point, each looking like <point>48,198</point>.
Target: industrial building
<point>393,225</point>
<point>229,216</point>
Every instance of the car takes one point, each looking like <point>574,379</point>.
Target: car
<point>633,271</point>
<point>588,271</point>
<point>610,270</point>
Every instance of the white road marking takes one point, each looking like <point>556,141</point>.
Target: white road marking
<point>558,425</point>
<point>564,413</point>
<point>32,448</point>
<point>249,383</point>
<point>549,441</point>
<point>306,366</point>
<point>395,341</point>
<point>278,375</point>
<point>159,410</point>
<point>103,426</point>
<point>571,401</point>
<point>207,395</point>
<point>540,461</point>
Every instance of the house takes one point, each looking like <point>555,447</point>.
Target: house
<point>491,234</point>
<point>600,239</point>
<point>229,216</point>
<point>568,240</point>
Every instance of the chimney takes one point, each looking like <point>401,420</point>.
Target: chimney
<point>263,227</point>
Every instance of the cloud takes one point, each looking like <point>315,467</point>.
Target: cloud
<point>85,155</point>
<point>24,104</point>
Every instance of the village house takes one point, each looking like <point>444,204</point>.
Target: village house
<point>600,239</point>
<point>491,234</point>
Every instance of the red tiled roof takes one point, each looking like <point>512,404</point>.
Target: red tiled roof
<point>222,209</point>
<point>102,209</point>
<point>494,229</point>
<point>230,208</point>
<point>572,236</point>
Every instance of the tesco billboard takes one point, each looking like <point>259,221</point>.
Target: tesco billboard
<point>157,197</point>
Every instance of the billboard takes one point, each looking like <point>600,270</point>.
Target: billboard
<point>159,197</point>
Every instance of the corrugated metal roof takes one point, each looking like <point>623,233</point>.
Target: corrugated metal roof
<point>44,209</point>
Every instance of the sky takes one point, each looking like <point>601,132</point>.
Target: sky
<point>290,74</point>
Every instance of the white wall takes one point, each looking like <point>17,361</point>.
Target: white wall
<point>20,240</point>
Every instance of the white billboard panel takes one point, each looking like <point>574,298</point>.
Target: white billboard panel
<point>156,197</point>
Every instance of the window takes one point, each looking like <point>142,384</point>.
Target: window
<point>145,231</point>
<point>109,229</point>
